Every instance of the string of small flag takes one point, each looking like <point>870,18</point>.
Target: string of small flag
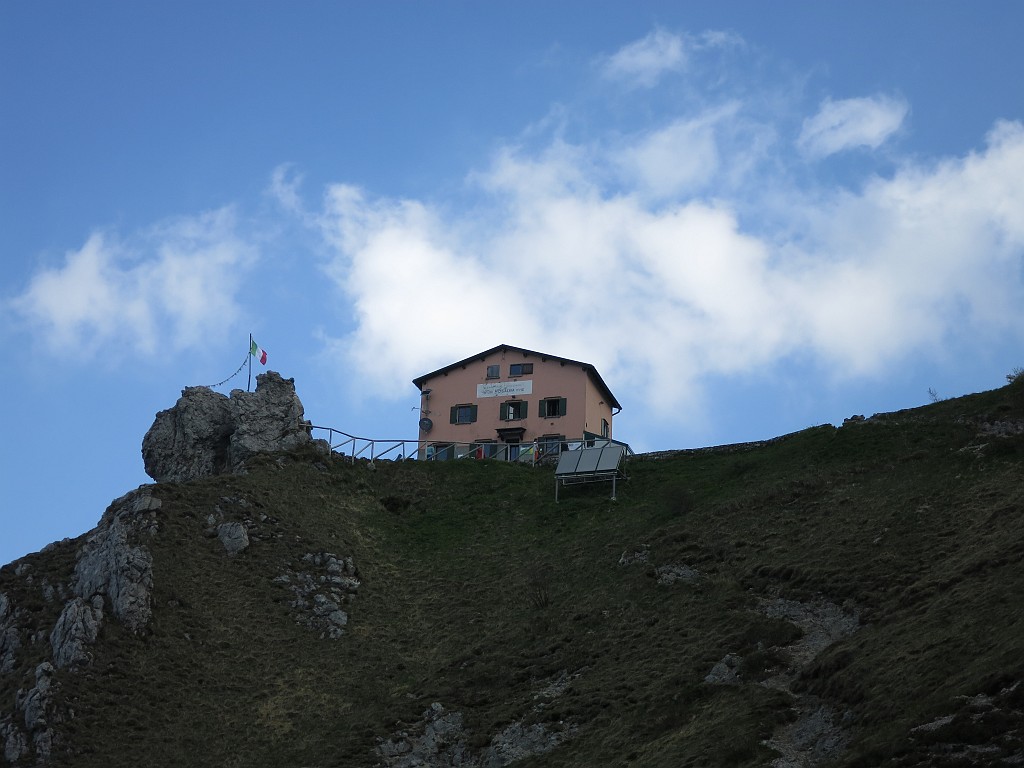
<point>255,350</point>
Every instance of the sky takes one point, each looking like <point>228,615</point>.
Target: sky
<point>751,217</point>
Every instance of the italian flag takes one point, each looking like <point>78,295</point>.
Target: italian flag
<point>258,352</point>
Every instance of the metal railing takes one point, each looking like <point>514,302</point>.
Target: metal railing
<point>541,450</point>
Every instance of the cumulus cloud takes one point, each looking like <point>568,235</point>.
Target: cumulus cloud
<point>662,295</point>
<point>681,157</point>
<point>165,289</point>
<point>642,62</point>
<point>851,123</point>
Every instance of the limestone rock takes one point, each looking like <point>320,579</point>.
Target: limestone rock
<point>725,672</point>
<point>439,740</point>
<point>207,433</point>
<point>191,439</point>
<point>518,741</point>
<point>636,555</point>
<point>326,583</point>
<point>267,420</point>
<point>38,715</point>
<point>233,536</point>
<point>13,740</point>
<point>111,565</point>
<point>10,639</point>
<point>670,574</point>
<point>77,627</point>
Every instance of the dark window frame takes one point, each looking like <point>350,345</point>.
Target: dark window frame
<point>520,369</point>
<point>457,413</point>
<point>545,407</point>
<point>519,407</point>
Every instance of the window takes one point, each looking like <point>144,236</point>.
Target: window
<point>550,445</point>
<point>552,407</point>
<point>440,452</point>
<point>493,371</point>
<point>463,414</point>
<point>485,449</point>
<point>513,410</point>
<point>606,428</point>
<point>520,369</point>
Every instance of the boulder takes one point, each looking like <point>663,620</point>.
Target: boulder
<point>233,536</point>
<point>207,433</point>
<point>191,439</point>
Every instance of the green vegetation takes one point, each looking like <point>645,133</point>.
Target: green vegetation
<point>478,591</point>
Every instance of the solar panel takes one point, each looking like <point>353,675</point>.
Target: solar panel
<point>610,457</point>
<point>567,462</point>
<point>590,464</point>
<point>589,457</point>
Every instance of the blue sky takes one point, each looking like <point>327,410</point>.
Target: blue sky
<point>752,217</point>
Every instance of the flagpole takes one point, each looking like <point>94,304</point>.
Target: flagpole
<point>248,387</point>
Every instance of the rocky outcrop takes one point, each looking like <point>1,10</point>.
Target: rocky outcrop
<point>112,577</point>
<point>233,536</point>
<point>982,730</point>
<point>112,566</point>
<point>10,639</point>
<point>35,710</point>
<point>207,433</point>
<point>321,587</point>
<point>670,574</point>
<point>76,629</point>
<point>518,742</point>
<point>817,733</point>
<point>440,738</point>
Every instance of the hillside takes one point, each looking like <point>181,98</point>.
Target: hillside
<point>846,596</point>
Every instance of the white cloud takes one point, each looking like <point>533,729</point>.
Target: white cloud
<point>678,158</point>
<point>642,62</point>
<point>851,123</point>
<point>662,296</point>
<point>166,289</point>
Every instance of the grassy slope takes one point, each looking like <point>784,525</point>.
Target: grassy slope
<point>478,590</point>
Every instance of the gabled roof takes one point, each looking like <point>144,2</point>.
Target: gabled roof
<point>419,381</point>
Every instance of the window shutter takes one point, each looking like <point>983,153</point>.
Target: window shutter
<point>455,415</point>
<point>525,407</point>
<point>561,406</point>
<point>472,413</point>
<point>504,412</point>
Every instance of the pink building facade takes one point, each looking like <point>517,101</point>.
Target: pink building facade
<point>506,397</point>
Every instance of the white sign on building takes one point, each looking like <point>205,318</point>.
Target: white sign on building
<point>505,388</point>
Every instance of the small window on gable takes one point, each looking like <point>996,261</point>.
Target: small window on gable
<point>493,371</point>
<point>463,414</point>
<point>513,410</point>
<point>552,407</point>
<point>520,369</point>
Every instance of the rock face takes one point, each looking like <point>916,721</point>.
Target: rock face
<point>207,433</point>
<point>35,711</point>
<point>439,739</point>
<point>9,639</point>
<point>76,629</point>
<point>322,586</point>
<point>110,565</point>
